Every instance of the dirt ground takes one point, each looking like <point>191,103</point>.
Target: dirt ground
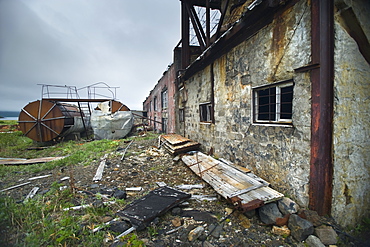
<point>144,166</point>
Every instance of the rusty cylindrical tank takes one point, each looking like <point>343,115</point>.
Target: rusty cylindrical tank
<point>45,120</point>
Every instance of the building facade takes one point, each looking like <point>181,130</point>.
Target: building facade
<point>283,89</point>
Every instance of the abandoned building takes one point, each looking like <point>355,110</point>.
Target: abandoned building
<point>279,87</point>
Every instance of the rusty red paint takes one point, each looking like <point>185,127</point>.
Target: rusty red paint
<point>321,164</point>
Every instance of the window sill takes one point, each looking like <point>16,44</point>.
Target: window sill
<point>285,125</point>
<point>206,123</point>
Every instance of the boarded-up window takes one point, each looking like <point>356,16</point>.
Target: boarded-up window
<point>164,99</point>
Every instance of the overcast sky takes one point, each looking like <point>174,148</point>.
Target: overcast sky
<point>124,43</point>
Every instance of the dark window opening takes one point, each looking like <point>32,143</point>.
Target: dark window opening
<point>274,103</point>
<point>205,111</point>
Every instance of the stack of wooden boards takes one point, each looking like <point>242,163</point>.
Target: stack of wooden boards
<point>176,144</point>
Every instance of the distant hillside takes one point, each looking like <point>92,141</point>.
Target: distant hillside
<point>9,113</point>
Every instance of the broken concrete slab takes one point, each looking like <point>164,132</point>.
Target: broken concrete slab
<point>144,210</point>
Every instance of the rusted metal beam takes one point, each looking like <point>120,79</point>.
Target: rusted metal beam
<point>185,48</point>
<point>321,163</point>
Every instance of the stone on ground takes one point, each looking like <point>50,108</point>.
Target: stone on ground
<point>268,213</point>
<point>300,228</point>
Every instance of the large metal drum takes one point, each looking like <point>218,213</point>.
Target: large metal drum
<point>45,120</point>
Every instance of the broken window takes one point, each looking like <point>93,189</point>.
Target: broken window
<point>181,115</point>
<point>273,103</point>
<point>205,111</point>
<point>164,99</point>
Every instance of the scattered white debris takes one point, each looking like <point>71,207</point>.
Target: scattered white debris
<point>15,186</point>
<point>190,186</point>
<point>65,178</point>
<point>32,193</point>
<point>43,176</point>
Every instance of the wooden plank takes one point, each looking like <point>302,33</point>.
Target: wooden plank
<point>229,181</point>
<point>12,161</point>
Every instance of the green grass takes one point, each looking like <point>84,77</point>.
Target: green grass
<point>42,221</point>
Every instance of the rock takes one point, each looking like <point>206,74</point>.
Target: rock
<point>250,213</point>
<point>282,221</point>
<point>244,221</point>
<point>200,216</point>
<point>106,219</point>
<point>98,204</point>
<point>195,233</point>
<point>176,222</point>
<point>300,228</point>
<point>268,213</point>
<point>313,241</point>
<point>215,230</point>
<point>311,216</point>
<point>94,186</point>
<point>176,211</point>
<point>326,234</point>
<point>119,194</point>
<point>282,231</point>
<point>287,206</point>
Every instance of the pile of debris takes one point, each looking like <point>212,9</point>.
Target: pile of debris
<point>177,144</point>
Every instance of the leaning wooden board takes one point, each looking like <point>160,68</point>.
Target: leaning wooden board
<point>229,181</point>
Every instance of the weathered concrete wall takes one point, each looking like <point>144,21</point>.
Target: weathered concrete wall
<point>351,187</point>
<point>279,154</point>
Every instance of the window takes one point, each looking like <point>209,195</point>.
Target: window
<point>273,103</point>
<point>164,99</point>
<point>181,115</point>
<point>205,111</point>
<point>164,125</point>
<point>155,104</point>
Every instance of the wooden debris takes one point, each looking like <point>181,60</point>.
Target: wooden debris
<point>99,172</point>
<point>231,182</point>
<point>124,151</point>
<point>14,161</point>
<point>176,144</point>
<point>15,186</point>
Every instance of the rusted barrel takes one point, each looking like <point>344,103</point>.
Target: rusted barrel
<point>45,120</point>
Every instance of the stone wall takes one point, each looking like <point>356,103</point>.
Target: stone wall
<point>351,187</point>
<point>279,154</point>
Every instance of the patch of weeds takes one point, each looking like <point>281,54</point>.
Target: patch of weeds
<point>132,240</point>
<point>152,230</point>
<point>43,222</point>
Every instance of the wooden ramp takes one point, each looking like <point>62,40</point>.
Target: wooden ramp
<point>234,184</point>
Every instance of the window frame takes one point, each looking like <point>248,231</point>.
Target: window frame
<point>208,118</point>
<point>278,103</point>
<point>164,98</point>
<point>181,115</point>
